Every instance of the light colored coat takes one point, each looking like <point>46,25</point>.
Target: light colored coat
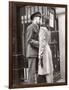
<point>45,51</point>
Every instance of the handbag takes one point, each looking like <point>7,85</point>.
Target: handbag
<point>41,61</point>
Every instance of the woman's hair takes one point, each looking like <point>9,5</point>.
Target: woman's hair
<point>46,23</point>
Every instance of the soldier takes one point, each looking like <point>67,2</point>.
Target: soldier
<point>32,44</point>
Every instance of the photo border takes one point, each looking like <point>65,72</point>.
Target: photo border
<point>12,6</point>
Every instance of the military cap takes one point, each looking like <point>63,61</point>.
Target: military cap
<point>36,14</point>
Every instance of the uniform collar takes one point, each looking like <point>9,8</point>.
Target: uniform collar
<point>36,25</point>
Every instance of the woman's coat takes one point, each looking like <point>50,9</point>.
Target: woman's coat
<point>45,51</point>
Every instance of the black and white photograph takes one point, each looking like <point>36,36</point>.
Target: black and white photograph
<point>37,44</point>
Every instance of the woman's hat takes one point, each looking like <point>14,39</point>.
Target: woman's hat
<point>36,14</point>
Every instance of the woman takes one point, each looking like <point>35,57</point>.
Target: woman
<point>45,65</point>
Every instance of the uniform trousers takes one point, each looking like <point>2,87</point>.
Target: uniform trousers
<point>31,70</point>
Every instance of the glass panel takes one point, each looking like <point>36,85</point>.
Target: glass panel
<point>44,10</point>
<point>40,9</point>
<point>36,8</point>
<point>32,9</point>
<point>29,12</point>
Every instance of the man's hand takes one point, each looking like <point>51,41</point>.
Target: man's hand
<point>34,43</point>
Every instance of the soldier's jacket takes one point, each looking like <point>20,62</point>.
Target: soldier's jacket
<point>32,42</point>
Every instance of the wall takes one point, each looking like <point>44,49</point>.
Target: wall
<point>61,19</point>
<point>4,44</point>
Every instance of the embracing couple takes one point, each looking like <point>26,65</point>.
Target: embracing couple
<point>37,38</point>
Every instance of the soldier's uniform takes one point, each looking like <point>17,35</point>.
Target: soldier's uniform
<point>32,44</point>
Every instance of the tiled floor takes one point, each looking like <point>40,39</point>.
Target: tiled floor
<point>60,80</point>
